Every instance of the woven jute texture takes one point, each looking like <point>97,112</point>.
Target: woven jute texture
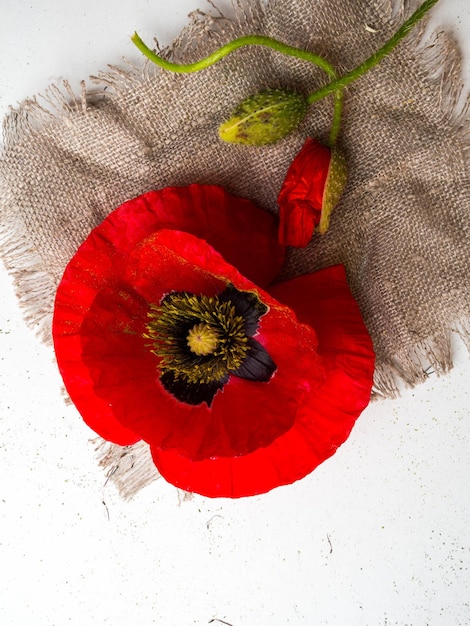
<point>401,228</point>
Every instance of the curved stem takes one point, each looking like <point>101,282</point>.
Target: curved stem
<point>373,60</point>
<point>250,40</point>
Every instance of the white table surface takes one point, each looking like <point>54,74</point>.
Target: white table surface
<point>377,535</point>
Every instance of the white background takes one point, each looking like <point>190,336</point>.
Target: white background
<point>378,535</point>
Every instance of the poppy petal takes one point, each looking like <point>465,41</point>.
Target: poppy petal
<point>258,365</point>
<point>191,393</point>
<point>243,233</point>
<point>247,305</point>
<point>119,370</point>
<point>324,417</point>
<point>301,197</point>
<point>117,330</point>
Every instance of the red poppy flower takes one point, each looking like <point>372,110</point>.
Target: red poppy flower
<point>159,336</point>
<point>312,188</point>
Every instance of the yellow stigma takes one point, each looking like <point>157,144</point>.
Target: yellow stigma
<point>202,339</point>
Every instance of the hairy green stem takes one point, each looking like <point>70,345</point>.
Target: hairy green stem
<point>374,59</point>
<point>336,86</point>
<point>250,40</point>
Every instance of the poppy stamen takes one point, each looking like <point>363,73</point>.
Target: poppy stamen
<point>201,339</point>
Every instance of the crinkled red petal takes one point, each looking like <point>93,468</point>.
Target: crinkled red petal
<point>323,418</point>
<point>301,197</point>
<point>243,232</point>
<point>121,315</point>
<point>244,415</point>
<point>118,387</point>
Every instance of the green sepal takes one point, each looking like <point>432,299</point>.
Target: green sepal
<point>334,187</point>
<point>264,118</point>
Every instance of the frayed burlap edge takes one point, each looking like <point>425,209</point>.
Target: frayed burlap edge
<point>129,468</point>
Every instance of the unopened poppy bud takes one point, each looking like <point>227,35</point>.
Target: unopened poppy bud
<point>264,118</point>
<point>312,188</point>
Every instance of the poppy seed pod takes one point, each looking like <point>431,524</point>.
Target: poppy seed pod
<point>264,118</point>
<point>312,188</point>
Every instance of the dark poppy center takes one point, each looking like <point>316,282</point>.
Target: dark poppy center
<point>202,340</point>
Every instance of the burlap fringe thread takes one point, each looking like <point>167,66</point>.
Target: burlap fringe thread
<point>438,66</point>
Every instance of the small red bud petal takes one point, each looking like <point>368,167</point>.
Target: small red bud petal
<point>311,189</point>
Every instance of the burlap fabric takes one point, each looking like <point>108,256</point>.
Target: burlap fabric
<point>401,228</point>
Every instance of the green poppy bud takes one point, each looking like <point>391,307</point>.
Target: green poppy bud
<point>264,118</point>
